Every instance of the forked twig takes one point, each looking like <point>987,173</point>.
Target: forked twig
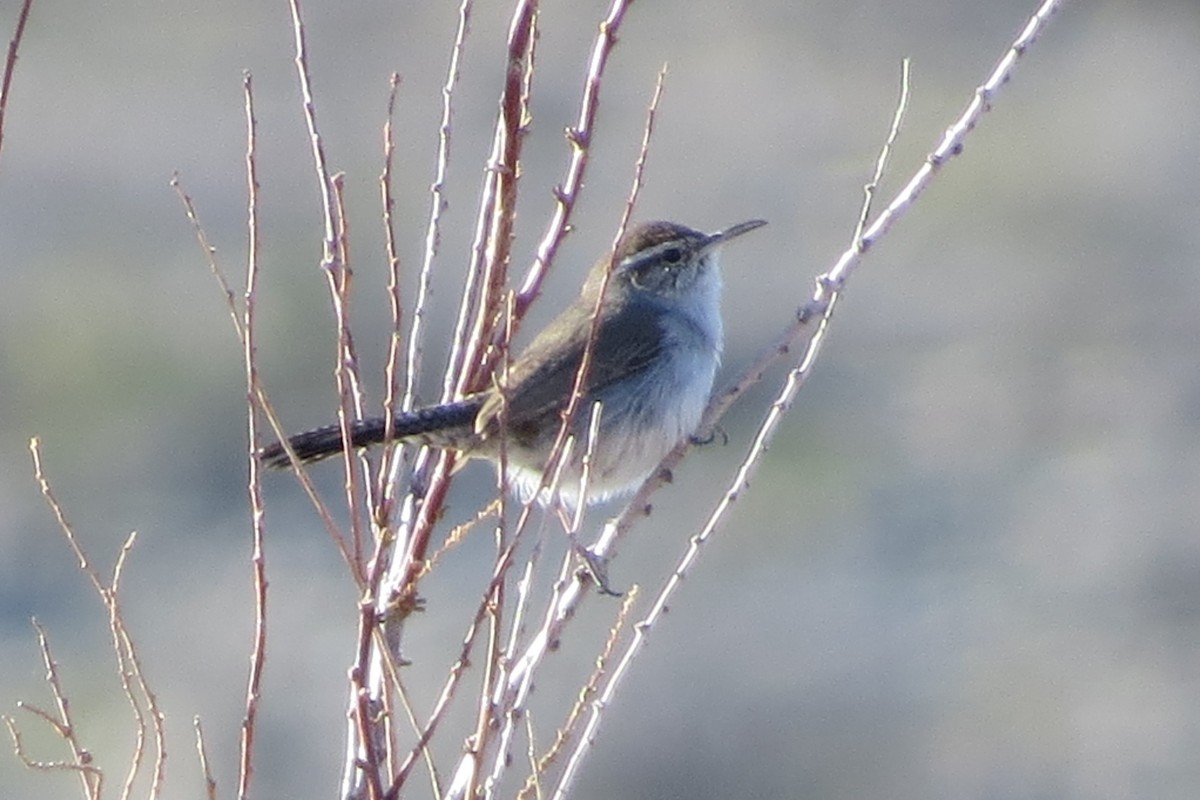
<point>91,776</point>
<point>148,720</point>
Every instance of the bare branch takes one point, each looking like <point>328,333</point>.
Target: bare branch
<point>134,686</point>
<point>258,564</point>
<point>148,720</point>
<point>10,63</point>
<point>579,137</point>
<point>885,153</point>
<point>336,266</point>
<point>210,783</point>
<point>261,398</point>
<point>91,777</point>
<point>345,373</point>
<point>589,690</point>
<point>324,176</point>
<point>437,205</point>
<point>392,379</point>
<point>816,311</point>
<point>87,771</point>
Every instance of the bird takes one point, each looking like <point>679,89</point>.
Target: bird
<point>657,346</point>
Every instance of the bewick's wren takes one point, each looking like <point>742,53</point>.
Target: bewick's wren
<point>658,343</point>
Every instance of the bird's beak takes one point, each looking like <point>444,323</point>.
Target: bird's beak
<point>721,237</point>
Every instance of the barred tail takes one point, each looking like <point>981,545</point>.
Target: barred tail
<point>323,442</point>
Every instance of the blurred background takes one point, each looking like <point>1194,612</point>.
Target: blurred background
<point>970,565</point>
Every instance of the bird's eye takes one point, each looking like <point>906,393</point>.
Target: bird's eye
<point>672,255</point>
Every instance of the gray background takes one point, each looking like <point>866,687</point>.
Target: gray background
<point>969,567</point>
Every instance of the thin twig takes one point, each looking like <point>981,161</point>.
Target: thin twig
<point>210,783</point>
<point>264,403</point>
<point>456,673</point>
<point>10,63</point>
<point>585,465</point>
<point>579,137</point>
<point>391,376</point>
<point>459,532</point>
<point>885,153</point>
<point>258,564</point>
<point>428,466</point>
<point>435,783</point>
<point>436,206</point>
<point>324,176</point>
<point>350,407</point>
<point>133,685</point>
<point>365,735</point>
<point>585,362</point>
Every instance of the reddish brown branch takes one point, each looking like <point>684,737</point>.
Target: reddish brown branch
<point>10,63</point>
<point>579,137</point>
